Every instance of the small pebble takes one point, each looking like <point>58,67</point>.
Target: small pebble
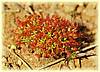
<point>13,47</point>
<point>19,62</point>
<point>4,59</point>
<point>80,9</point>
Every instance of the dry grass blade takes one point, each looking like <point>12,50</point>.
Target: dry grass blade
<point>87,48</point>
<point>28,8</point>
<point>24,62</point>
<point>12,10</point>
<point>82,55</point>
<point>16,55</point>
<point>52,63</point>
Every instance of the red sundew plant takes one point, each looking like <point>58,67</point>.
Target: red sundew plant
<point>50,36</point>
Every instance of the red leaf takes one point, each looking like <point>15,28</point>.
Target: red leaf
<point>37,56</point>
<point>75,49</point>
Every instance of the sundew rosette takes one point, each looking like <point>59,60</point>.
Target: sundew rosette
<point>50,36</point>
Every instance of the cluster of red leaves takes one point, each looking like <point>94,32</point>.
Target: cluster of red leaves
<point>53,35</point>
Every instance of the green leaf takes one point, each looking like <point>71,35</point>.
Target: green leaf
<point>64,39</point>
<point>53,45</point>
<point>70,58</point>
<point>34,32</point>
<point>79,49</point>
<point>26,40</point>
<point>42,40</point>
<point>20,31</point>
<point>49,34</point>
<point>67,48</point>
<point>73,54</point>
<point>35,23</point>
<point>38,51</point>
<point>45,25</point>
